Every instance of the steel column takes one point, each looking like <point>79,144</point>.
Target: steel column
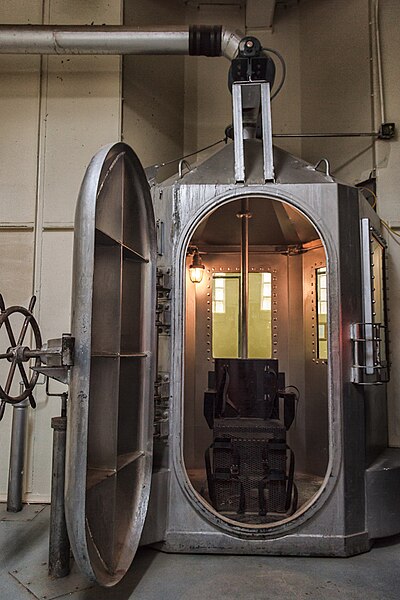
<point>238,132</point>
<point>17,455</point>
<point>266,123</point>
<point>59,547</point>
<point>244,215</point>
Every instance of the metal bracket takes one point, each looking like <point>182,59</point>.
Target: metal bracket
<point>58,356</point>
<point>163,309</point>
<point>161,406</point>
<point>368,367</point>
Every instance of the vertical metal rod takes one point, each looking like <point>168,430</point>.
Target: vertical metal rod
<point>17,454</point>
<point>367,291</point>
<point>266,123</point>
<point>59,547</point>
<point>379,63</point>
<point>244,279</point>
<point>238,143</point>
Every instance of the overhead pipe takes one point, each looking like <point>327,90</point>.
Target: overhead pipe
<point>197,40</point>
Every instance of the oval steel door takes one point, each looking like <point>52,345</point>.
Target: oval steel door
<point>110,414</point>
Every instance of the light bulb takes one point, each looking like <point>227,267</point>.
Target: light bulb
<point>196,274</point>
<point>196,269</point>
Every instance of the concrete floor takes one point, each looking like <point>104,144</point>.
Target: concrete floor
<point>158,576</point>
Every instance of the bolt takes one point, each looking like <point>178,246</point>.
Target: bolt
<point>249,43</point>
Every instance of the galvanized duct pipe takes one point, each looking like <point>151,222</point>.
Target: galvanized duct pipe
<point>197,40</point>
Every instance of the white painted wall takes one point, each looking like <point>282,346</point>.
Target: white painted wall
<point>56,113</point>
<point>153,89</point>
<point>336,84</point>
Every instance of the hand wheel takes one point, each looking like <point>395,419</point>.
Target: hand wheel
<point>17,353</point>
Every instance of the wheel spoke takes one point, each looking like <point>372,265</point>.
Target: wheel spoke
<point>10,332</point>
<point>10,377</point>
<point>24,376</point>
<point>23,331</point>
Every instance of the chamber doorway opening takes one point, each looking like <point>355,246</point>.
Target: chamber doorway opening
<point>256,361</point>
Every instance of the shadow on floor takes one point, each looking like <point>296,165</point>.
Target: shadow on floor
<point>125,589</point>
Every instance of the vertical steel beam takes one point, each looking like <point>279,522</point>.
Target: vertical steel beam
<point>238,132</point>
<point>59,547</point>
<point>268,161</point>
<point>244,215</point>
<point>17,455</point>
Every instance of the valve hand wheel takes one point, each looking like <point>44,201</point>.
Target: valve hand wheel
<point>17,354</point>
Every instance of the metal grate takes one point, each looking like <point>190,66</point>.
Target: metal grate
<point>249,466</point>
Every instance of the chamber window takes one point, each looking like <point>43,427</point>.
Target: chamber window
<point>322,313</point>
<point>219,300</point>
<point>226,313</point>
<point>266,291</point>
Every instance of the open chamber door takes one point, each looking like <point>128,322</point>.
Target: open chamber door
<point>110,419</point>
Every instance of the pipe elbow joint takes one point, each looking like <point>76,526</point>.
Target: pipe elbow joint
<point>213,40</point>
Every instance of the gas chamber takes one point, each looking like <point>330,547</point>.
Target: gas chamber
<point>227,392</point>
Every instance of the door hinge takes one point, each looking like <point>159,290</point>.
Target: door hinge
<point>163,310</point>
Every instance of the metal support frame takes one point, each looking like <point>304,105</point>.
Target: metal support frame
<point>238,132</point>
<point>241,131</point>
<point>266,122</point>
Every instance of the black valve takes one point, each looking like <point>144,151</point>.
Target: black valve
<point>249,47</point>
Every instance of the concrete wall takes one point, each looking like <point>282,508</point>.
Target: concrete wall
<point>153,89</point>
